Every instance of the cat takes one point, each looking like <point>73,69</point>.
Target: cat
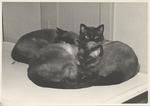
<point>118,63</point>
<point>67,37</point>
<point>29,44</point>
<point>27,47</point>
<point>88,47</point>
<point>58,67</point>
<point>55,66</point>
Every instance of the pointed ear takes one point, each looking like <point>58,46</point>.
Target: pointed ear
<point>100,29</point>
<point>60,31</point>
<point>83,28</point>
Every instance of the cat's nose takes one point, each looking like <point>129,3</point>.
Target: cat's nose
<point>91,44</point>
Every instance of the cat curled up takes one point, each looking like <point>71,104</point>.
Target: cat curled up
<point>58,67</point>
<point>117,64</point>
<point>28,45</point>
<point>62,59</point>
<point>55,66</point>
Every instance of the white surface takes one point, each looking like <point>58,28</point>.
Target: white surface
<point>18,90</point>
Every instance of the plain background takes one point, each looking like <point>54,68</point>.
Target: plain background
<point>126,22</point>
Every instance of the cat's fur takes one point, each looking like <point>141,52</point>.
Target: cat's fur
<point>118,63</point>
<point>27,47</point>
<point>67,37</point>
<point>55,66</point>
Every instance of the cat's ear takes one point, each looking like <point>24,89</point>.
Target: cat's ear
<point>100,29</point>
<point>83,28</point>
<point>60,31</point>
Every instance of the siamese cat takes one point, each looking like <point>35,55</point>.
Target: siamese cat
<point>27,47</point>
<point>55,66</point>
<point>118,62</point>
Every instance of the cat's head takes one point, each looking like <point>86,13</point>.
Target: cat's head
<point>90,36</point>
<point>66,37</point>
<point>91,33</point>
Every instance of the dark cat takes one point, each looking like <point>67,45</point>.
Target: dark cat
<point>91,33</point>
<point>27,47</point>
<point>118,63</point>
<point>88,46</point>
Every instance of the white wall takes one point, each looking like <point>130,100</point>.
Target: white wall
<point>48,15</point>
<point>20,18</point>
<point>69,16</point>
<point>106,17</point>
<point>131,27</point>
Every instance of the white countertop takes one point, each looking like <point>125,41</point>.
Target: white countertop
<point>18,90</point>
